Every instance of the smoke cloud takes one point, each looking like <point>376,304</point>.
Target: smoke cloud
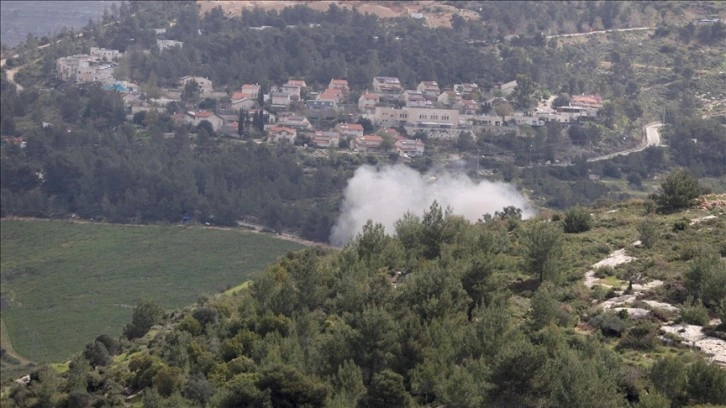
<point>385,195</point>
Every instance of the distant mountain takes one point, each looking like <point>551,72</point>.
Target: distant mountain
<point>19,18</point>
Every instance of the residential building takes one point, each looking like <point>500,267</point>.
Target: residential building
<point>368,143</point>
<point>341,84</point>
<point>587,101</point>
<point>508,88</point>
<point>166,44</point>
<point>251,90</point>
<point>418,117</point>
<point>195,118</point>
<point>416,99</point>
<point>448,98</point>
<point>430,89</point>
<point>292,90</point>
<point>331,94</point>
<point>241,100</point>
<point>409,148</point>
<point>321,104</point>
<point>466,90</point>
<point>387,85</point>
<point>467,107</point>
<point>350,129</point>
<point>578,111</point>
<point>299,83</point>
<point>103,54</point>
<point>294,121</point>
<point>278,134</point>
<point>279,99</point>
<point>204,84</point>
<point>368,101</point>
<point>326,139</point>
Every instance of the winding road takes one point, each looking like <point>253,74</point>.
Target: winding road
<point>652,138</point>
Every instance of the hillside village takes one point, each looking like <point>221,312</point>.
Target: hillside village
<point>400,118</point>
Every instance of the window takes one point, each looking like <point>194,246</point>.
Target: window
<point>435,117</point>
<point>445,117</point>
<point>422,116</point>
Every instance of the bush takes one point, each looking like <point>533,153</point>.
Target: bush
<point>610,324</point>
<point>641,337</point>
<point>695,314</point>
<point>577,219</point>
<point>681,225</point>
<point>679,189</point>
<point>648,230</point>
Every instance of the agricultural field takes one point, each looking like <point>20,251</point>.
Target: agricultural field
<point>64,283</point>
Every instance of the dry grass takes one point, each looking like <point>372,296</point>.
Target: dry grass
<point>435,15</point>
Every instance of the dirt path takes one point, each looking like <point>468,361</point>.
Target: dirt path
<point>8,345</point>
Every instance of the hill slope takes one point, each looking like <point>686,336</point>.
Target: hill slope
<point>65,282</point>
<point>503,312</point>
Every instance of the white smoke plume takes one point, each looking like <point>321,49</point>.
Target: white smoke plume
<point>385,195</point>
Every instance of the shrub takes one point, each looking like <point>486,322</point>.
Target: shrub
<point>679,190</point>
<point>648,231</point>
<point>680,225</point>
<point>577,219</point>
<point>695,314</point>
<point>610,324</point>
<point>641,337</point>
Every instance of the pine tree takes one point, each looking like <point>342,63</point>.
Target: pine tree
<point>241,122</point>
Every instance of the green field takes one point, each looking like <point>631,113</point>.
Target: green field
<point>65,283</point>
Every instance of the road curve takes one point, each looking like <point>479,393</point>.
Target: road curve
<point>652,138</point>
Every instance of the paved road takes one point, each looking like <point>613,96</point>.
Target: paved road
<point>652,138</point>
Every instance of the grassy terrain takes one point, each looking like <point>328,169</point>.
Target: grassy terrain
<point>65,283</point>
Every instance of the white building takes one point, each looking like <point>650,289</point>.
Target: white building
<point>165,44</point>
<point>104,54</point>
<point>204,84</point>
<point>418,117</point>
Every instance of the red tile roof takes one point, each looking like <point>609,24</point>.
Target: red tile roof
<point>351,126</point>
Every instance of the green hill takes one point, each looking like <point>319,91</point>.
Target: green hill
<point>65,282</point>
<point>442,312</point>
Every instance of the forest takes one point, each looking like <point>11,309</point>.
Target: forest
<point>438,312</point>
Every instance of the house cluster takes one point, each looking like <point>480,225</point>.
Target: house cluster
<point>96,66</point>
<point>386,103</point>
<point>427,106</point>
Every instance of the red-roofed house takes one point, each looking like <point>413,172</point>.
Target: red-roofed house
<point>242,100</point>
<point>297,82</point>
<point>281,133</point>
<point>387,85</point>
<point>588,101</point>
<point>368,101</point>
<point>467,107</point>
<point>410,148</point>
<point>326,139</point>
<point>252,89</point>
<point>195,118</point>
<point>368,143</point>
<point>341,84</point>
<point>391,132</point>
<point>350,129</point>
